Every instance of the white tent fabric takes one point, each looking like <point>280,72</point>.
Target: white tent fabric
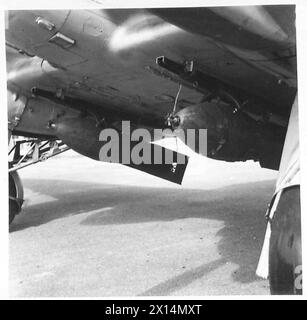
<point>289,175</point>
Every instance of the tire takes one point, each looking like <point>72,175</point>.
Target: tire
<point>285,256</point>
<point>15,195</point>
<point>13,210</point>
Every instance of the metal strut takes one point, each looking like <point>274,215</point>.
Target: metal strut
<point>37,151</point>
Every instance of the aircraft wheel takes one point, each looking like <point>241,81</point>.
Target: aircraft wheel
<point>285,257</point>
<point>15,195</point>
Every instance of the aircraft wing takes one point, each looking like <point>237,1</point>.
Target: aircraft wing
<point>236,67</point>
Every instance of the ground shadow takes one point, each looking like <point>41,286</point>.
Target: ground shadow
<point>241,207</point>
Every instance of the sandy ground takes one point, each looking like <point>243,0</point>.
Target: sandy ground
<point>98,230</point>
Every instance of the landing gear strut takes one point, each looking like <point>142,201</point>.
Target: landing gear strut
<point>37,151</point>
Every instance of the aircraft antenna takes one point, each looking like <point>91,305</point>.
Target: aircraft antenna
<point>176,99</point>
<point>174,110</point>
